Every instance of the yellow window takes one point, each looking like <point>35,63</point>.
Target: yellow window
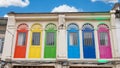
<point>35,41</point>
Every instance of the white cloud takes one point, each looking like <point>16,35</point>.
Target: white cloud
<point>106,1</point>
<point>65,8</point>
<point>18,3</point>
<point>93,0</point>
<point>5,15</point>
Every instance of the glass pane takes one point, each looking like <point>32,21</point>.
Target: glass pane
<point>2,31</point>
<point>51,27</point>
<point>87,38</point>
<point>89,26</point>
<point>50,38</point>
<point>1,44</point>
<point>73,39</point>
<point>103,38</point>
<point>73,26</point>
<point>21,38</point>
<point>36,38</point>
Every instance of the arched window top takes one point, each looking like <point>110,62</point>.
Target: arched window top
<point>51,26</point>
<point>36,26</point>
<point>103,26</point>
<point>87,26</point>
<point>22,26</point>
<point>73,26</point>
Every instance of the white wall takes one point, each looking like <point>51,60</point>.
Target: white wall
<point>9,39</point>
<point>117,22</point>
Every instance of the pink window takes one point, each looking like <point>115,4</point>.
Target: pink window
<point>104,41</point>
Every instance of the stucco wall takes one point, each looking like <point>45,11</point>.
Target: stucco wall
<point>117,23</point>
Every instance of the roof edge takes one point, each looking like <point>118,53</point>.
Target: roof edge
<point>57,12</point>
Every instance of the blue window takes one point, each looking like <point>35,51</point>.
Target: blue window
<point>88,41</point>
<point>73,41</point>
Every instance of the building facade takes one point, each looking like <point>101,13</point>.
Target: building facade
<point>116,9</point>
<point>61,40</point>
<point>3,23</point>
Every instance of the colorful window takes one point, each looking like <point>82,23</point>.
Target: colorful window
<point>50,38</point>
<point>104,41</point>
<point>50,41</point>
<point>21,38</point>
<point>88,38</point>
<point>88,41</point>
<point>73,38</point>
<point>36,42</point>
<point>21,41</point>
<point>103,38</point>
<point>36,38</point>
<point>73,41</point>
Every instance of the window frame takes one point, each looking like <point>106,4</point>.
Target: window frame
<point>39,39</point>
<point>105,50</point>
<point>74,29</point>
<point>106,30</point>
<point>47,31</point>
<point>69,38</point>
<point>40,31</point>
<point>53,39</point>
<point>20,51</point>
<point>23,40</point>
<point>35,51</point>
<point>36,28</point>
<point>88,28</point>
<point>101,43</point>
<point>92,40</point>
<point>50,50</point>
<point>51,28</point>
<point>89,50</point>
<point>22,31</point>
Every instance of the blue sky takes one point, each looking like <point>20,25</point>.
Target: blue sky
<point>27,6</point>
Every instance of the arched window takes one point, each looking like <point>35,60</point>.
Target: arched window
<point>88,30</point>
<point>36,33</point>
<point>73,26</point>
<point>50,41</point>
<point>21,41</point>
<point>104,41</point>
<point>88,41</point>
<point>36,41</point>
<point>73,34</point>
<point>73,41</point>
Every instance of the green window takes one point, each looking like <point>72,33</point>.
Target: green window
<point>50,41</point>
<point>50,38</point>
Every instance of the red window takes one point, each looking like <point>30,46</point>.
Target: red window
<point>21,41</point>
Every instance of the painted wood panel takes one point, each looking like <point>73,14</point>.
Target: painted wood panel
<point>35,50</point>
<point>89,50</point>
<point>88,44</point>
<point>50,42</point>
<point>105,49</point>
<point>20,48</point>
<point>73,48</point>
